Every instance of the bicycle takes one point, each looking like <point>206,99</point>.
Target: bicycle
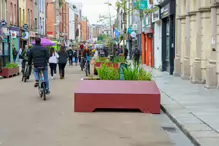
<point>26,73</point>
<point>42,84</point>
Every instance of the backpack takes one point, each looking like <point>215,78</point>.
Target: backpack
<point>137,51</point>
<point>15,53</point>
<point>70,52</point>
<point>75,54</point>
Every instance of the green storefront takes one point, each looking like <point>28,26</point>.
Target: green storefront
<point>14,41</point>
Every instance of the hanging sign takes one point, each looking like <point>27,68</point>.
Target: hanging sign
<point>165,11</point>
<point>156,16</point>
<point>25,26</point>
<point>3,23</point>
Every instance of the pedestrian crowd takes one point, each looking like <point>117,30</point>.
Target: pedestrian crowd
<point>37,56</point>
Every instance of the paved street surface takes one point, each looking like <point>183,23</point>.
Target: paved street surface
<point>193,107</point>
<point>26,120</point>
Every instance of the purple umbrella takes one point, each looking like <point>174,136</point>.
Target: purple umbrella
<point>45,42</point>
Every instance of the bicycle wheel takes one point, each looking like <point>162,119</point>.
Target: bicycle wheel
<point>44,91</point>
<point>25,75</point>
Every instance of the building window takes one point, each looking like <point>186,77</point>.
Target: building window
<point>15,14</point>
<point>11,14</point>
<point>28,17</point>
<point>23,22</point>
<point>35,24</point>
<point>31,19</point>
<point>20,16</point>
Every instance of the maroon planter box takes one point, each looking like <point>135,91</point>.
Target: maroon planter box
<point>94,94</point>
<point>8,72</point>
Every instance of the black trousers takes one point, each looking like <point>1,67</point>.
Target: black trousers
<point>62,69</point>
<point>70,60</point>
<point>52,68</point>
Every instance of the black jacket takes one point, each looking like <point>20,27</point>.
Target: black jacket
<point>39,55</point>
<point>70,52</point>
<point>63,56</point>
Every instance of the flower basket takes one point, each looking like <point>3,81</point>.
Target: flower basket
<point>9,72</point>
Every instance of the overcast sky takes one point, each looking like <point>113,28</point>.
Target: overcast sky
<point>92,9</point>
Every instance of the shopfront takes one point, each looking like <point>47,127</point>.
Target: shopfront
<point>157,38</point>
<point>32,36</point>
<point>14,40</point>
<point>147,41</point>
<point>4,43</point>
<point>24,39</point>
<point>167,14</point>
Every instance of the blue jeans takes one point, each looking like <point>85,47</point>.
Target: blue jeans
<point>45,74</point>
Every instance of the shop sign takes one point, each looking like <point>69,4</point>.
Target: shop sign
<point>32,34</point>
<point>156,16</point>
<point>3,23</point>
<point>13,34</point>
<point>25,26</point>
<point>25,35</point>
<point>165,11</point>
<point>134,27</point>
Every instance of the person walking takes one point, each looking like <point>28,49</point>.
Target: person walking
<point>53,60</point>
<point>63,57</point>
<point>137,54</point>
<point>70,55</point>
<point>75,55</point>
<point>15,53</point>
<point>126,53</point>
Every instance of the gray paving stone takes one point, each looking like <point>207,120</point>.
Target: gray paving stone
<point>197,127</point>
<point>208,141</point>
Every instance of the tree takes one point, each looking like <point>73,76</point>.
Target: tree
<point>141,5</point>
<point>61,3</point>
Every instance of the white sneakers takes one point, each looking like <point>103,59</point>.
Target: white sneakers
<point>53,77</point>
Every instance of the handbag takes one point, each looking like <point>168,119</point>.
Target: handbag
<point>73,59</point>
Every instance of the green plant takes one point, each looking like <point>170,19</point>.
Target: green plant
<point>102,59</point>
<point>119,59</point>
<point>11,65</point>
<point>108,73</point>
<point>137,73</point>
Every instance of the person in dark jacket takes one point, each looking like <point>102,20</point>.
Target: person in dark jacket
<point>14,53</point>
<point>137,54</point>
<point>126,53</point>
<point>40,57</point>
<point>63,57</point>
<point>70,55</point>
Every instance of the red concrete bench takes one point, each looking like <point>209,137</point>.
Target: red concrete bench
<point>94,94</point>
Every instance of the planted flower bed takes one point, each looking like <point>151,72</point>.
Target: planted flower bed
<point>136,90</point>
<point>10,70</point>
<point>115,62</point>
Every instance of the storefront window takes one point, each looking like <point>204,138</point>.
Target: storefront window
<point>168,41</point>
<point>6,49</point>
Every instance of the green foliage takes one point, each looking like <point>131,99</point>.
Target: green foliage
<point>108,73</point>
<point>60,3</point>
<point>102,59</point>
<point>137,73</point>
<point>11,65</point>
<point>119,59</point>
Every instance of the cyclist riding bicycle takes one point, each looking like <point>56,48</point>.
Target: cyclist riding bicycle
<point>40,56</point>
<point>86,57</point>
